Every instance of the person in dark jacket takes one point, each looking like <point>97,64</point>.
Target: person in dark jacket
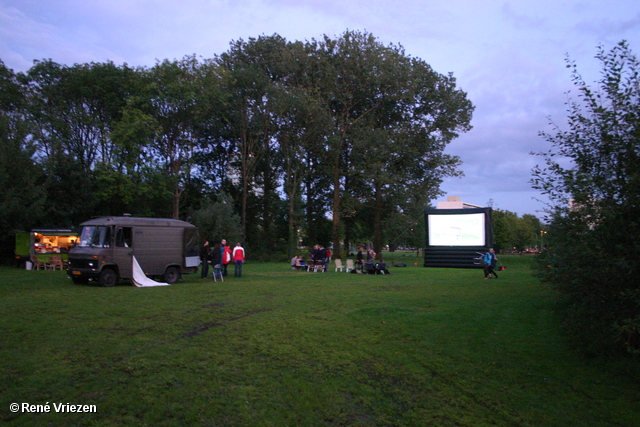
<point>216,255</point>
<point>204,259</point>
<point>360,258</point>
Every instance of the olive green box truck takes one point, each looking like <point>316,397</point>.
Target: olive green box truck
<point>164,248</point>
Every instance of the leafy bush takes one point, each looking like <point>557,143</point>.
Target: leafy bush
<point>594,234</point>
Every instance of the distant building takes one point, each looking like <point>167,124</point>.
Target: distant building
<point>454,202</point>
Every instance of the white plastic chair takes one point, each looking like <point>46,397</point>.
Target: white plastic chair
<point>217,273</point>
<point>339,265</point>
<point>350,265</point>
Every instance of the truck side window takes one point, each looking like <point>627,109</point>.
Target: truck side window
<point>124,237</point>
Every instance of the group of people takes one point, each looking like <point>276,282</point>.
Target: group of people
<point>221,255</point>
<point>297,263</point>
<point>365,262</point>
<point>365,253</point>
<point>320,257</point>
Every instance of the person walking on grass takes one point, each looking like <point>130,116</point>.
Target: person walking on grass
<point>490,259</point>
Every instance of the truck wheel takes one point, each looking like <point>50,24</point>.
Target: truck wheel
<point>171,275</point>
<point>108,278</point>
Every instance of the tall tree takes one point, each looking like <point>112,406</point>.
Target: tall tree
<point>173,95</point>
<point>592,175</point>
<point>343,73</point>
<point>72,110</point>
<point>302,127</point>
<point>405,159</point>
<point>252,69</point>
<point>382,102</point>
<point>21,199</point>
<point>211,160</point>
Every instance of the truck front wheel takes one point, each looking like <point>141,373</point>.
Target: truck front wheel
<point>171,275</point>
<point>108,278</point>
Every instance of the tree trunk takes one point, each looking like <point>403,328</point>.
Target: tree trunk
<point>377,221</point>
<point>337,249</point>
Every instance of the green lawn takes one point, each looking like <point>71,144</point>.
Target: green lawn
<point>286,348</point>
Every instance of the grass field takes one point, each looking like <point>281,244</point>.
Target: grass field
<point>285,348</point>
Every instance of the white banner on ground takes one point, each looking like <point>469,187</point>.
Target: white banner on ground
<point>139,278</point>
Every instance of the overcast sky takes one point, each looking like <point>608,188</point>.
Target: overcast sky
<point>509,56</point>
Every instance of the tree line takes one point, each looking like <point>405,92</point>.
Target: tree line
<point>514,233</point>
<point>273,143</point>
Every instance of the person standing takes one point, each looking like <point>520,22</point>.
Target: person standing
<point>226,256</point>
<point>490,259</point>
<point>238,259</point>
<point>322,254</point>
<point>216,255</point>
<point>360,258</point>
<point>371,255</point>
<point>204,259</point>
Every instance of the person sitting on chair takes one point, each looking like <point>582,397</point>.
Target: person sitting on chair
<point>369,268</point>
<point>300,264</point>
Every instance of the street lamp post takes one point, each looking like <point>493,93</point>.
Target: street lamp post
<point>542,233</point>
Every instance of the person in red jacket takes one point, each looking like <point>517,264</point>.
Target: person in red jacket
<point>226,256</point>
<point>238,259</point>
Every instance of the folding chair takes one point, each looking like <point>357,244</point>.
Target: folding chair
<point>350,265</point>
<point>217,273</point>
<point>314,266</point>
<point>339,265</point>
<point>55,262</point>
<point>37,263</point>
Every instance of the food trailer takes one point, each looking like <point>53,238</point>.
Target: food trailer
<point>42,243</point>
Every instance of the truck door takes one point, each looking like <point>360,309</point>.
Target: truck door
<point>123,251</point>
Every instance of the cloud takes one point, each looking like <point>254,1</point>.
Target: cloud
<point>27,38</point>
<point>608,28</point>
<point>17,29</point>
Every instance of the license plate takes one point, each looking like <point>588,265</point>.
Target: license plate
<point>77,273</point>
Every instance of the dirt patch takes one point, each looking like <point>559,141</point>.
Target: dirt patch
<point>201,328</point>
<point>208,325</point>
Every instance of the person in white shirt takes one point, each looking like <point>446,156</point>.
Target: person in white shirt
<point>238,259</point>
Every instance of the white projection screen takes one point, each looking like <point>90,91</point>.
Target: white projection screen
<point>465,229</point>
<point>457,237</point>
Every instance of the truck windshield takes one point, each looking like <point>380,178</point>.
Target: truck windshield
<point>95,236</point>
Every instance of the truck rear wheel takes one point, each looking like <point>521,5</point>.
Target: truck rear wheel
<point>171,275</point>
<point>108,278</point>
